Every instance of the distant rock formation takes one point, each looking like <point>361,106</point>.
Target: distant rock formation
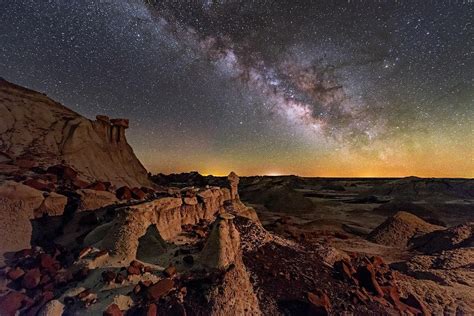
<point>397,230</point>
<point>37,131</point>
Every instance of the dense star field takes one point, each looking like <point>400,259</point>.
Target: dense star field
<point>315,88</point>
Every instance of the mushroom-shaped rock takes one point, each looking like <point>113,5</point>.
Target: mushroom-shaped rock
<point>223,245</point>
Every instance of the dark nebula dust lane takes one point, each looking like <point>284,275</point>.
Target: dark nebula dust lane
<point>317,88</point>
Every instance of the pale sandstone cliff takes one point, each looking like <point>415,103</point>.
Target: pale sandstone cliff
<point>33,127</point>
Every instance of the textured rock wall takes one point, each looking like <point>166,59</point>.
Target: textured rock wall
<point>34,127</point>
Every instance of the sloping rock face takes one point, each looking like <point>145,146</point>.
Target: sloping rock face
<point>37,131</point>
<point>397,230</point>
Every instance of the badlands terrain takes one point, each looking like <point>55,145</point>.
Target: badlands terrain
<point>85,230</point>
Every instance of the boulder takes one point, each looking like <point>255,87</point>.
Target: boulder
<point>159,289</point>
<point>52,308</point>
<point>39,184</point>
<point>98,186</point>
<point>63,172</point>
<point>17,205</point>
<point>138,194</point>
<point>92,199</point>
<point>123,193</point>
<point>11,303</point>
<point>53,205</point>
<point>320,303</point>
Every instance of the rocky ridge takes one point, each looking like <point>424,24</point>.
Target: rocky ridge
<point>37,132</point>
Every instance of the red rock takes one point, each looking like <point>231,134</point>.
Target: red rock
<point>146,283</point>
<point>377,261</point>
<point>84,294</point>
<point>15,274</point>
<point>123,193</point>
<point>98,186</point>
<point>170,271</point>
<point>80,184</point>
<point>11,303</point>
<point>367,279</point>
<point>415,302</point>
<point>63,172</point>
<point>160,288</point>
<point>26,163</point>
<point>120,278</point>
<point>39,185</point>
<point>48,263</point>
<point>319,303</point>
<point>151,310</point>
<point>133,270</point>
<point>31,279</point>
<point>108,276</point>
<point>147,190</point>
<point>137,264</point>
<point>345,270</point>
<point>112,310</point>
<point>138,194</point>
<point>84,252</point>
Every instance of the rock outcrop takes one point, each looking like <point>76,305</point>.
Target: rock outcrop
<point>38,130</point>
<point>18,203</point>
<point>398,229</point>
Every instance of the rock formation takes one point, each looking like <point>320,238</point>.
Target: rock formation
<point>397,230</point>
<point>42,132</point>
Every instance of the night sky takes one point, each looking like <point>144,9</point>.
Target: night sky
<point>315,88</point>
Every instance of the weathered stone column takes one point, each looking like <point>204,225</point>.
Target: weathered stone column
<point>118,129</point>
<point>223,244</point>
<point>234,185</point>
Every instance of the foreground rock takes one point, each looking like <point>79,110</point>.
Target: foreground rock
<point>37,129</point>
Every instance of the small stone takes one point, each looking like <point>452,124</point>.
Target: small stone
<point>170,271</point>
<point>123,193</point>
<point>15,273</point>
<point>84,252</point>
<point>133,270</point>
<point>157,290</point>
<point>108,276</point>
<point>120,278</point>
<point>11,303</point>
<point>112,310</point>
<point>31,279</point>
<point>137,264</point>
<point>319,303</point>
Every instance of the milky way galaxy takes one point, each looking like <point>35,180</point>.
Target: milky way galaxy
<point>315,88</point>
